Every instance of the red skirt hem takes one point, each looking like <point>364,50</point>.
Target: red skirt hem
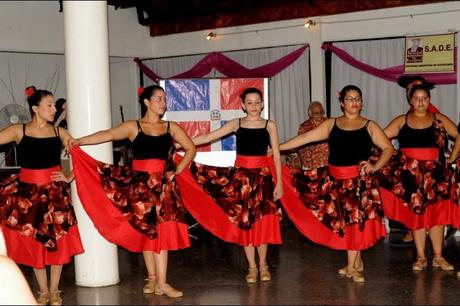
<point>111,223</point>
<point>211,217</point>
<point>443,212</point>
<point>27,251</point>
<point>312,228</point>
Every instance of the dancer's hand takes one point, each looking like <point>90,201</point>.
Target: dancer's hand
<point>59,176</point>
<point>450,160</point>
<point>278,192</point>
<point>179,169</point>
<point>269,152</point>
<point>71,143</point>
<point>368,167</point>
<point>178,146</point>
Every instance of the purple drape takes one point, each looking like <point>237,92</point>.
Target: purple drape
<point>392,73</point>
<point>228,67</point>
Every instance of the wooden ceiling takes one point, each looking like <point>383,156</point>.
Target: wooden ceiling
<point>178,16</point>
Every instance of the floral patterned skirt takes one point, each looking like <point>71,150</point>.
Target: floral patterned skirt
<point>341,213</point>
<point>416,192</point>
<point>136,210</point>
<point>234,203</point>
<point>38,221</point>
<point>455,207</point>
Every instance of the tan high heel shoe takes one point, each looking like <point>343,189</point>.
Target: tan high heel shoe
<point>167,290</point>
<point>251,277</point>
<point>55,298</point>
<point>264,274</point>
<point>43,298</point>
<point>356,276</point>
<point>419,264</point>
<point>344,270</point>
<point>149,286</point>
<point>440,262</point>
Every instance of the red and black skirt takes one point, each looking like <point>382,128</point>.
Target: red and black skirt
<point>455,195</point>
<point>137,207</point>
<point>234,203</point>
<point>38,220</point>
<point>416,189</point>
<point>334,206</point>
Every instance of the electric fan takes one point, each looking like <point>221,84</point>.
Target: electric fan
<point>12,114</point>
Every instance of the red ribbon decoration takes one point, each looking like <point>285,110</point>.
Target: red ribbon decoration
<point>29,91</point>
<point>140,90</point>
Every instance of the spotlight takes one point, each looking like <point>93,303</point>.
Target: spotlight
<point>211,35</point>
<point>309,23</point>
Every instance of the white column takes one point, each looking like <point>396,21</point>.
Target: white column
<point>318,87</point>
<point>456,118</point>
<point>88,96</point>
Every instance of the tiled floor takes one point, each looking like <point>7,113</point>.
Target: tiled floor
<point>212,272</point>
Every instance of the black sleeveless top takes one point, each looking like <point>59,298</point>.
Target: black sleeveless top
<point>417,138</point>
<point>349,148</point>
<point>252,142</point>
<point>39,153</point>
<point>151,147</point>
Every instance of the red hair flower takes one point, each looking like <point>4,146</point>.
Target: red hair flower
<point>140,90</point>
<point>29,91</point>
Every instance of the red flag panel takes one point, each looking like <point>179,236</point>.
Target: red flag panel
<point>231,89</point>
<point>196,128</point>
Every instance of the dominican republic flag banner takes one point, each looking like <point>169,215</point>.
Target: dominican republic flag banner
<point>203,105</point>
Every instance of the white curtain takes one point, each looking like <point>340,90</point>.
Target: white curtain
<point>47,71</point>
<point>19,70</point>
<point>383,100</point>
<point>289,91</point>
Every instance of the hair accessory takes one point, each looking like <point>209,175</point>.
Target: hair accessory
<point>140,90</point>
<point>405,80</point>
<point>29,91</point>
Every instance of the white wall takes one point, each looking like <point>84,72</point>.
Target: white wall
<point>31,26</point>
<point>37,26</point>
<point>47,71</point>
<point>419,19</point>
<point>124,77</point>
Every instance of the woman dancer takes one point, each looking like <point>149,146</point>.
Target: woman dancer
<point>455,212</point>
<point>416,183</point>
<point>339,206</point>
<point>139,207</point>
<point>39,223</point>
<point>241,201</point>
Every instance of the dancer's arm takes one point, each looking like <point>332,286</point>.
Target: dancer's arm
<point>454,154</point>
<point>449,125</point>
<point>226,129</point>
<point>186,143</point>
<point>381,140</point>
<point>452,130</point>
<point>392,129</point>
<point>124,130</point>
<point>274,142</point>
<point>317,134</point>
<point>11,133</point>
